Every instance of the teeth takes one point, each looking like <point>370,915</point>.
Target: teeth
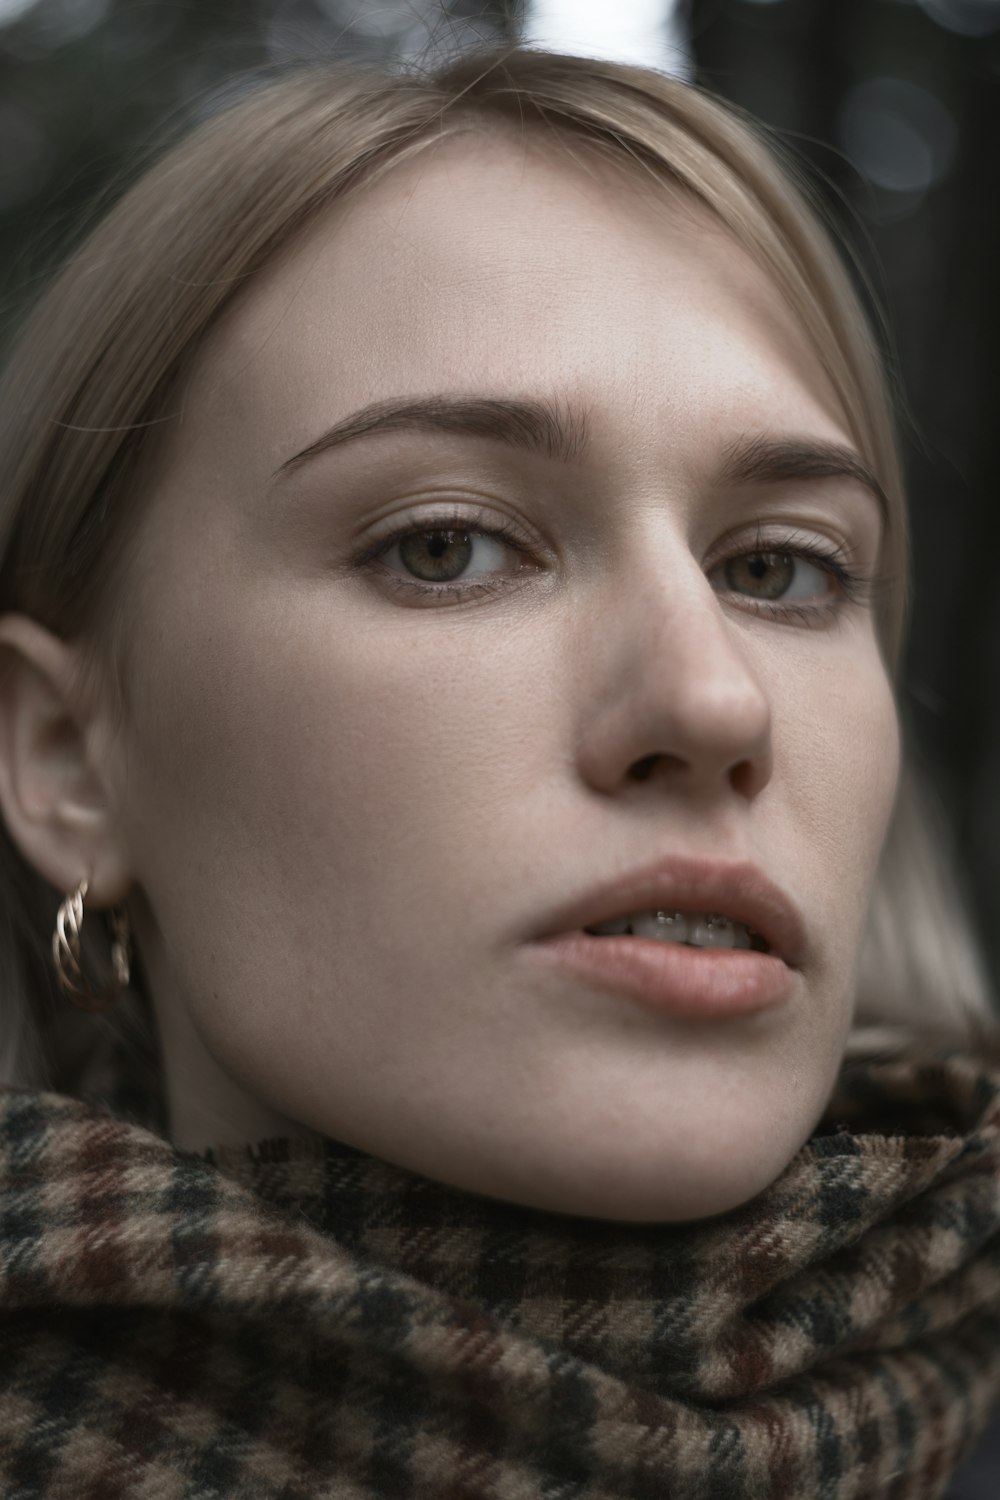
<point>697,929</point>
<point>714,932</point>
<point>668,926</point>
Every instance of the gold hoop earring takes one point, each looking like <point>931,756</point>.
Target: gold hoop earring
<point>66,954</point>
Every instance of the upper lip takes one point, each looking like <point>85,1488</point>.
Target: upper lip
<point>737,890</point>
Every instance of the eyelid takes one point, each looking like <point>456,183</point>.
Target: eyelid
<point>454,520</point>
<point>781,536</point>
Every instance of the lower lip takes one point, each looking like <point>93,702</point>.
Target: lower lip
<point>696,984</point>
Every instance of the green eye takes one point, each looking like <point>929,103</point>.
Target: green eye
<point>436,556</point>
<point>776,575</point>
<point>767,574</point>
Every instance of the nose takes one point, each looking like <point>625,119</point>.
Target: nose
<point>673,692</point>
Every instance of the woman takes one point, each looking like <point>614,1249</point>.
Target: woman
<point>454,560</point>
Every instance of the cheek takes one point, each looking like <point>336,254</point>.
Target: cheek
<point>837,750</point>
<point>334,814</point>
<point>318,772</point>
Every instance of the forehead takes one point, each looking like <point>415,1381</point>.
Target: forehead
<point>494,265</point>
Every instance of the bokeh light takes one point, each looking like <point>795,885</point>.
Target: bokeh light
<point>13,10</point>
<point>898,134</point>
<point>31,30</point>
<point>648,32</point>
<point>967,17</point>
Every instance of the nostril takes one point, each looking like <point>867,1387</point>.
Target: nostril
<point>643,769</point>
<point>747,777</point>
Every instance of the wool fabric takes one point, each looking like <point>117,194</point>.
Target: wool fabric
<point>296,1319</point>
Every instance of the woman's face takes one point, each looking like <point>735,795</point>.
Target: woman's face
<point>359,776</point>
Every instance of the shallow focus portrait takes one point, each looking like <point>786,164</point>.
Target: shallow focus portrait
<point>485,1012</point>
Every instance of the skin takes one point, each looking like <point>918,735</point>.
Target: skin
<point>339,812</point>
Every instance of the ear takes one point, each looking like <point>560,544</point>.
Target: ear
<point>55,772</point>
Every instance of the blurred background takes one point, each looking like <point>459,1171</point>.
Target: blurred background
<point>894,105</point>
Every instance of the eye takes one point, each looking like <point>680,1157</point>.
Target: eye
<point>792,578</point>
<point>778,575</point>
<point>452,557</point>
<point>447,554</point>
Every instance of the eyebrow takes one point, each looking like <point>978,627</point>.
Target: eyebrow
<point>536,426</point>
<point>555,431</point>
<point>764,460</point>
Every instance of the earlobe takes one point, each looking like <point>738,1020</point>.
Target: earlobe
<point>53,798</point>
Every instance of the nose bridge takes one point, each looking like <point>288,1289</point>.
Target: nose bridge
<point>714,687</point>
<point>680,693</point>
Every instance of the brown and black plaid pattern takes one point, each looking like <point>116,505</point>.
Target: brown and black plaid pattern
<point>298,1320</point>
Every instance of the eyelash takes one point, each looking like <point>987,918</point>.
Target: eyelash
<point>854,587</point>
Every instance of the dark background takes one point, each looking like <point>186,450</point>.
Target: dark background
<point>895,106</point>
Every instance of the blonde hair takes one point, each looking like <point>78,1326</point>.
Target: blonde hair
<point>90,385</point>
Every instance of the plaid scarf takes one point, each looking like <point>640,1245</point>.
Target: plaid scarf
<point>297,1320</point>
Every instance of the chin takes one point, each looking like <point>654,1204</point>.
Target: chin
<point>711,1168</point>
<point>689,1195</point>
<point>677,1196</point>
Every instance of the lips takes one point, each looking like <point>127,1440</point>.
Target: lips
<point>739,891</point>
